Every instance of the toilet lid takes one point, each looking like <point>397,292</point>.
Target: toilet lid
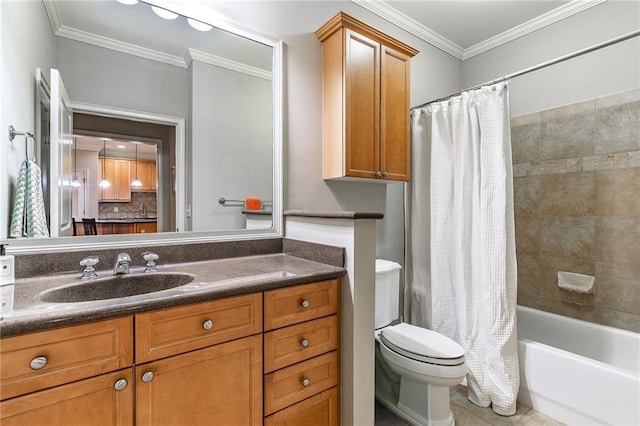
<point>422,345</point>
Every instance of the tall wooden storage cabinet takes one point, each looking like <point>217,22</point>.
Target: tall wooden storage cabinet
<point>365,110</point>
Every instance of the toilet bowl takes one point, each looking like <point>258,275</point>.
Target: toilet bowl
<point>426,362</point>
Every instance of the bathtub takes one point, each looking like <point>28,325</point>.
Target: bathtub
<point>578,372</point>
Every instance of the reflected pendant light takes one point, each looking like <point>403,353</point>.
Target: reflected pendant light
<point>104,183</point>
<point>75,182</point>
<point>136,182</point>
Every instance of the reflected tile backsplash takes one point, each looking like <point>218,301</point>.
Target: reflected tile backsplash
<point>577,207</point>
<point>131,209</point>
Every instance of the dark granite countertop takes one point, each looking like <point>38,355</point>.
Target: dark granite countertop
<point>212,279</point>
<point>127,220</point>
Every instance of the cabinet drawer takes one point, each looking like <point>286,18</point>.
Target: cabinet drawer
<point>66,354</point>
<point>291,305</point>
<point>298,342</point>
<point>319,410</point>
<point>300,381</point>
<point>176,330</point>
<point>91,401</point>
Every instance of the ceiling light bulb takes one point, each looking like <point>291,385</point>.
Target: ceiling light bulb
<point>164,13</point>
<point>200,26</point>
<point>128,2</point>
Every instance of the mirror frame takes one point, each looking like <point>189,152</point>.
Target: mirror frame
<point>191,9</point>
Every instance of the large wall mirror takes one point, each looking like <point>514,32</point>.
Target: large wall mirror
<point>154,122</point>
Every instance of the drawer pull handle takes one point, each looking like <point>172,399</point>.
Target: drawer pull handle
<point>305,382</point>
<point>305,343</point>
<point>38,362</point>
<point>207,325</point>
<point>120,385</point>
<point>147,376</point>
<point>305,303</point>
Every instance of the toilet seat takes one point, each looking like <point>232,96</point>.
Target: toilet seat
<point>422,345</point>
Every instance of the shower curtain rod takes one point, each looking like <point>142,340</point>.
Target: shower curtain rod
<point>541,65</point>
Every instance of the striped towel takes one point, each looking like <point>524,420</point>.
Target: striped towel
<point>29,218</point>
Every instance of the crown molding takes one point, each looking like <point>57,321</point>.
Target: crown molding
<point>553,16</point>
<point>387,12</point>
<point>120,46</point>
<point>412,26</point>
<point>53,15</point>
<point>196,55</point>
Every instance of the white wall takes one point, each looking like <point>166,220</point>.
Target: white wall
<point>230,158</point>
<point>433,74</point>
<point>89,160</point>
<point>101,76</point>
<point>610,70</point>
<point>26,44</point>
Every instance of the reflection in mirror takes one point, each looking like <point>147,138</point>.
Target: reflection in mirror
<point>203,103</point>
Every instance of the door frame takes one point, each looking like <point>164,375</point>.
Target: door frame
<point>179,124</point>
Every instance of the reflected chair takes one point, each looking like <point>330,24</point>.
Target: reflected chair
<point>90,227</point>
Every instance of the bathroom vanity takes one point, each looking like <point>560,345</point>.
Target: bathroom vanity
<point>247,339</point>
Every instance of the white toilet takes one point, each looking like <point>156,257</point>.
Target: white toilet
<point>427,363</point>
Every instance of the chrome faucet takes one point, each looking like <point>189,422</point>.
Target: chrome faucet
<point>122,264</point>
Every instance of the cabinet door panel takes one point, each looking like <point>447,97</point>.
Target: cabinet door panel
<point>394,120</point>
<point>285,306</point>
<point>91,401</point>
<point>362,103</point>
<point>286,387</point>
<point>218,385</point>
<point>285,346</point>
<point>72,353</point>
<point>319,410</point>
<point>175,330</point>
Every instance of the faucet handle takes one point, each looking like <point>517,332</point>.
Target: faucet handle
<point>89,272</point>
<point>150,258</point>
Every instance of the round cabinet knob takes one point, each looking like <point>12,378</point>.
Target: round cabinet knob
<point>120,385</point>
<point>385,174</point>
<point>38,362</point>
<point>147,376</point>
<point>305,382</point>
<point>305,343</point>
<point>207,325</point>
<point>378,174</point>
<point>305,303</point>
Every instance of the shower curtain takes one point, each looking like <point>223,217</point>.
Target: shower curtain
<point>461,264</point>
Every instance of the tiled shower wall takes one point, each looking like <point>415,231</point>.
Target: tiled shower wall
<point>577,207</point>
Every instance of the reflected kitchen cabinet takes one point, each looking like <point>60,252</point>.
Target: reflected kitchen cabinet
<point>118,173</point>
<point>146,171</point>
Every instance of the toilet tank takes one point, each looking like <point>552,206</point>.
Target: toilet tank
<point>387,292</point>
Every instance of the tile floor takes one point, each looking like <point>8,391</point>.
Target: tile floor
<point>468,414</point>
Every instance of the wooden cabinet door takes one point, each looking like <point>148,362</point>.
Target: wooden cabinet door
<point>146,227</point>
<point>146,175</point>
<point>218,385</point>
<point>93,401</point>
<point>118,172</point>
<point>362,103</point>
<point>123,180</point>
<point>108,170</point>
<point>394,116</point>
<point>319,410</point>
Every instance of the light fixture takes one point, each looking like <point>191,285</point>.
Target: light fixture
<point>104,183</point>
<point>128,2</point>
<point>200,26</point>
<point>164,13</point>
<point>75,182</point>
<point>136,182</point>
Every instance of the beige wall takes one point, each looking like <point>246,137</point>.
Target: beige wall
<point>576,186</point>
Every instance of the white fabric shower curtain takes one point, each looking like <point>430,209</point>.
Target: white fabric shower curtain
<point>461,264</point>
